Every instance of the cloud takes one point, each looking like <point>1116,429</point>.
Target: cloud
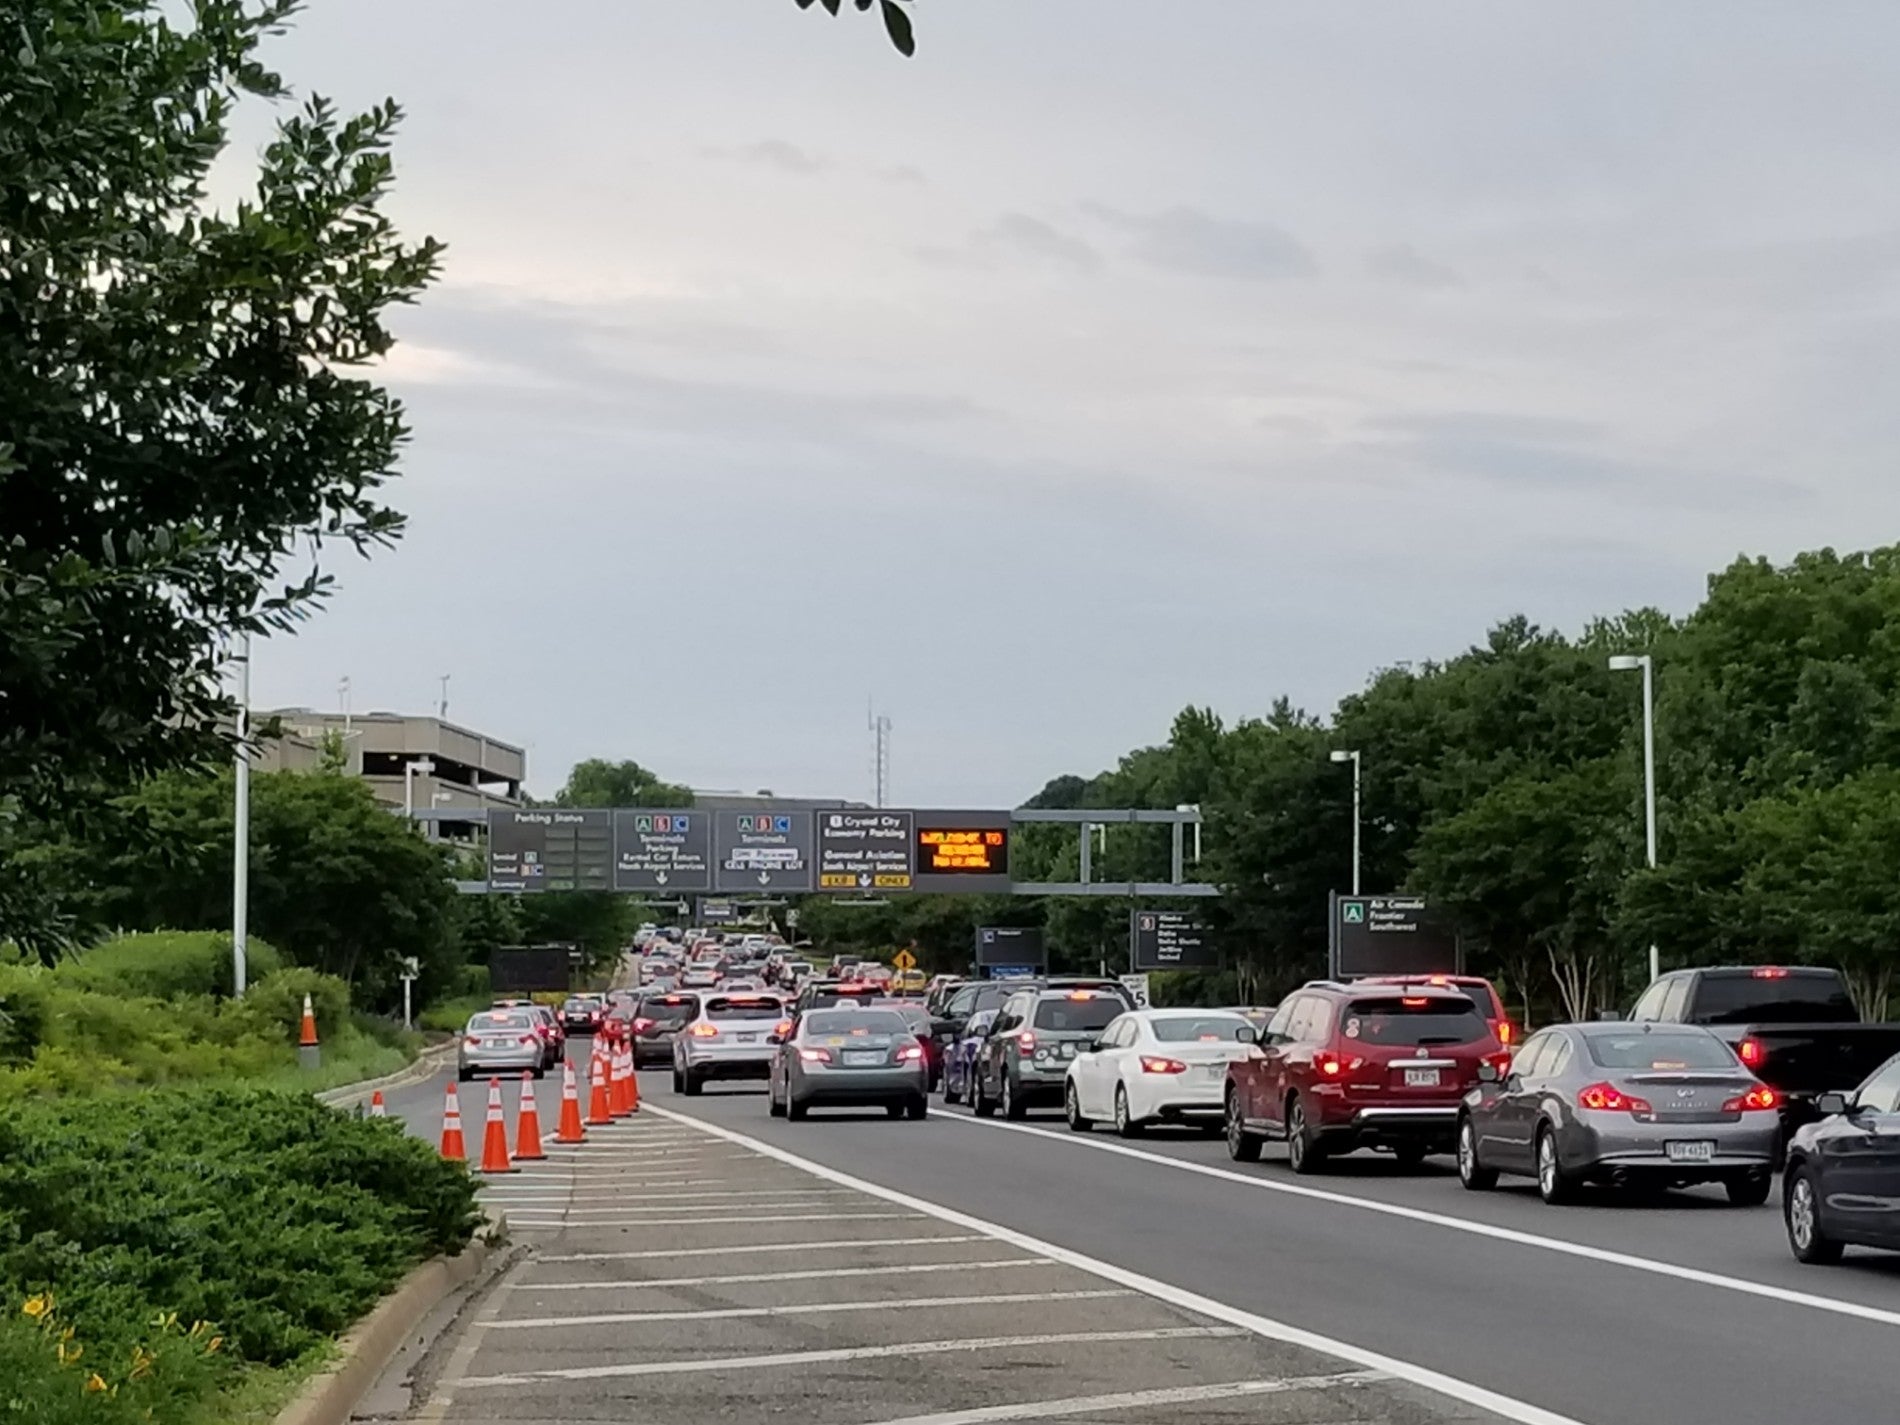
<point>1187,240</point>
<point>1402,263</point>
<point>776,153</point>
<point>902,173</point>
<point>1015,235</point>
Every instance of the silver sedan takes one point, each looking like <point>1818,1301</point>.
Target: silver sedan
<point>850,1057</point>
<point>500,1040</point>
<point>1639,1105</point>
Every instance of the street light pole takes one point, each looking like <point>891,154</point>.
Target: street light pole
<point>409,769</point>
<point>1353,757</point>
<point>241,827</point>
<point>1624,663</point>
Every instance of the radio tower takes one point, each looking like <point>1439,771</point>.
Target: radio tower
<point>880,729</point>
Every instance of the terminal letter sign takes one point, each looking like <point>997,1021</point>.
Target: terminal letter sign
<point>1391,935</point>
<point>864,850</point>
<point>662,850</point>
<point>763,851</point>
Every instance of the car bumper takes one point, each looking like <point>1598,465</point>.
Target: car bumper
<point>1642,1149</point>
<point>736,1061</point>
<point>1174,1096</point>
<point>657,1049</point>
<point>495,1061</point>
<point>1435,1126</point>
<point>861,1086</point>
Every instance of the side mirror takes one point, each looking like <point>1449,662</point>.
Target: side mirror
<point>1830,1104</point>
<point>1609,1016</point>
<point>775,1038</point>
<point>1488,1074</point>
<point>1247,1034</point>
<point>1097,1045</point>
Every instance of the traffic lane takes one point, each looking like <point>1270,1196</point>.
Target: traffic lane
<point>1697,1228</point>
<point>874,1314</point>
<point>418,1106</point>
<point>1596,1342</point>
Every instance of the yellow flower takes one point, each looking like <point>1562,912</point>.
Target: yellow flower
<point>211,1347</point>
<point>70,1353</point>
<point>141,1362</point>
<point>95,1383</point>
<point>38,1306</point>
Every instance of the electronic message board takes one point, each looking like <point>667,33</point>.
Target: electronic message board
<point>962,850</point>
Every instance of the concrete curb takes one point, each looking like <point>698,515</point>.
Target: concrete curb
<point>331,1396</point>
<point>427,1065</point>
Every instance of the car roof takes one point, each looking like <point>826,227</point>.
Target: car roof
<point>1448,993</point>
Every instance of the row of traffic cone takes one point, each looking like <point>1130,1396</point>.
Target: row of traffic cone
<point>614,1093</point>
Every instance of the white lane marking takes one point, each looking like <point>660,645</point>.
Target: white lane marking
<point>793,1217</point>
<point>839,1244</point>
<point>844,1353</point>
<point>815,1274</point>
<point>1786,1295</point>
<point>810,1308</point>
<point>1137,1399</point>
<point>1466,1392</point>
<point>678,1197</point>
<point>632,1213</point>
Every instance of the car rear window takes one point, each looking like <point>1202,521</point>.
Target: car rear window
<point>848,1021</point>
<point>1792,998</point>
<point>669,1009</point>
<point>1081,1010</point>
<point>1659,1049</point>
<point>1189,1029</point>
<point>502,1019</point>
<point>1412,1020</point>
<point>744,1007</point>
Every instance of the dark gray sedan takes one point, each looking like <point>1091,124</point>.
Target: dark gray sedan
<point>849,1057</point>
<point>1638,1105</point>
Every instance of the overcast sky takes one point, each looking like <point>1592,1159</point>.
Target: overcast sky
<point>1107,357</point>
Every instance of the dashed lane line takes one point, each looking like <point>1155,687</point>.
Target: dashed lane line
<point>812,1308</point>
<point>1140,1399</point>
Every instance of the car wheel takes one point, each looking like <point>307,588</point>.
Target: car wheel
<point>679,1083</point>
<point>1012,1104</point>
<point>693,1084</point>
<point>1554,1185</point>
<point>950,1094</point>
<point>1472,1173</point>
<point>1072,1110</point>
<point>918,1108</point>
<point>1303,1152</point>
<point>796,1111</point>
<point>893,1110</point>
<point>1801,1210</point>
<point>1125,1125</point>
<point>462,1076</point>
<point>1749,1190</point>
<point>1242,1146</point>
<point>981,1104</point>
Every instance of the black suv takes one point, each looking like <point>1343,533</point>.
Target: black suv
<point>1024,1060</point>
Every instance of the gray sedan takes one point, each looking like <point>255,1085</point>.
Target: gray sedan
<point>1639,1105</point>
<point>500,1040</point>
<point>850,1057</point>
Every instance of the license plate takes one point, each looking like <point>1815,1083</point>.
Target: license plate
<point>1699,1152</point>
<point>1213,1071</point>
<point>1421,1078</point>
<point>863,1057</point>
<point>748,1038</point>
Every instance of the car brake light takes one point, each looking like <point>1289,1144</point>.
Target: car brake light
<point>1026,1041</point>
<point>1505,1031</point>
<point>1162,1066</point>
<point>782,1028</point>
<point>1081,994</point>
<point>1500,1061</point>
<point>527,1039</point>
<point>1769,972</point>
<point>474,1041</point>
<point>1438,979</point>
<point>1414,1001</point>
<point>1751,1052</point>
<point>910,1053</point>
<point>1759,1098</point>
<point>1329,1064</point>
<point>704,1031</point>
<point>1607,1098</point>
<point>815,1056</point>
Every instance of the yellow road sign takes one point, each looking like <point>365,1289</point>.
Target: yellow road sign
<point>904,960</point>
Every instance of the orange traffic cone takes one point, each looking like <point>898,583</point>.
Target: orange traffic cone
<point>633,1083</point>
<point>617,1084</point>
<point>307,1035</point>
<point>377,1109</point>
<point>569,1129</point>
<point>495,1134</point>
<point>599,1109</point>
<point>528,1124</point>
<point>452,1128</point>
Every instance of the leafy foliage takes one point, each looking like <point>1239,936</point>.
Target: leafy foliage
<point>896,20</point>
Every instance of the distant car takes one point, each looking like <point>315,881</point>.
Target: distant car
<point>849,1058</point>
<point>1024,1061</point>
<point>1156,1065</point>
<point>959,1054</point>
<point>496,1041</point>
<point>1479,990</point>
<point>909,982</point>
<point>699,976</point>
<point>1639,1105</point>
<point>657,1021</point>
<point>938,991</point>
<point>583,1014</point>
<point>1843,1173</point>
<point>547,1024</point>
<point>1348,1066</point>
<point>742,982</point>
<point>732,1037</point>
<point>823,994</point>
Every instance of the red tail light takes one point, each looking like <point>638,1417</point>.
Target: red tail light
<point>473,1041</point>
<point>1770,972</point>
<point>1752,1052</point>
<point>703,1031</point>
<point>1162,1066</point>
<point>1501,1061</point>
<point>1757,1099</point>
<point>815,1056</point>
<point>782,1028</point>
<point>1505,1031</point>
<point>527,1039</point>
<point>1328,1064</point>
<point>910,1054</point>
<point>1026,1041</point>
<point>1608,1098</point>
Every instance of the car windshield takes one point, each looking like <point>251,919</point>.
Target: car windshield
<point>749,1007</point>
<point>1746,997</point>
<point>670,1009</point>
<point>1659,1049</point>
<point>1410,1021</point>
<point>501,1019</point>
<point>577,1004</point>
<point>1194,1028</point>
<point>853,1021</point>
<point>1082,1010</point>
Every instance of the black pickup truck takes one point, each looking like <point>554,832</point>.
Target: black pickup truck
<point>1795,1027</point>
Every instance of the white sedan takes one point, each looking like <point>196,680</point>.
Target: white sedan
<point>1156,1065</point>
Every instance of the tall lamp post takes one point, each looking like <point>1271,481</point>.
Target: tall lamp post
<point>241,826</point>
<point>1630,663</point>
<point>409,770</point>
<point>1341,755</point>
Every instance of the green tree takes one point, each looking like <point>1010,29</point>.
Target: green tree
<point>896,21</point>
<point>600,783</point>
<point>182,419</point>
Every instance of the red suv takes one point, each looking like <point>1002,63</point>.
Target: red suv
<point>1483,994</point>
<point>1345,1066</point>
